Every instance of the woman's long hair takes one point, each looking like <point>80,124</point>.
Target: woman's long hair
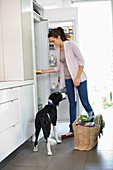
<point>57,32</point>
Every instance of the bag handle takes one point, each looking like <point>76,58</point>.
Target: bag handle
<point>77,119</point>
<point>99,117</point>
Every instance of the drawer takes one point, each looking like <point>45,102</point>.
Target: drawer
<point>9,94</point>
<point>9,114</point>
<point>9,141</point>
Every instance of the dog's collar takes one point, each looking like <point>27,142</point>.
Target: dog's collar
<point>50,102</point>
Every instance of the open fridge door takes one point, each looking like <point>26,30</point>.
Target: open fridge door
<point>41,53</point>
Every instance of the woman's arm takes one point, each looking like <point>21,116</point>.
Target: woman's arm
<point>52,70</point>
<point>77,80</point>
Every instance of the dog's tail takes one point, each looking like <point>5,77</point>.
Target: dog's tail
<point>51,141</point>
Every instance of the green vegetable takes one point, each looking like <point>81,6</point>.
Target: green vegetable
<point>84,119</point>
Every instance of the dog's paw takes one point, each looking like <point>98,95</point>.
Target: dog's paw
<point>52,141</point>
<point>49,153</point>
<point>58,141</point>
<point>35,149</point>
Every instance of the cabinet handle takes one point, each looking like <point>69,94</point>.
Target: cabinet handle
<point>14,99</point>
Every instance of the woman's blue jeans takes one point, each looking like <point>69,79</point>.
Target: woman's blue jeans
<point>83,94</point>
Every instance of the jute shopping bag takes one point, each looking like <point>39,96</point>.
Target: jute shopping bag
<point>85,138</point>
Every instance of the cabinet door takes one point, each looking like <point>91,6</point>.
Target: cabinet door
<point>17,39</point>
<point>9,140</point>
<point>27,112</point>
<point>1,50</point>
<point>12,39</point>
<point>27,32</point>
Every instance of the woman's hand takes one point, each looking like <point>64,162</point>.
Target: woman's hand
<point>45,71</point>
<point>77,82</point>
<point>38,71</point>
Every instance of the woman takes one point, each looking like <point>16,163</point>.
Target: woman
<point>70,64</point>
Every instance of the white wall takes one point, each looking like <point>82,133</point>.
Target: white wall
<point>61,13</point>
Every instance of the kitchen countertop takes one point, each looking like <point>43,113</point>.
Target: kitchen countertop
<point>12,84</point>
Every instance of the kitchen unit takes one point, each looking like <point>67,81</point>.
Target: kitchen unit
<point>16,116</point>
<point>18,80</point>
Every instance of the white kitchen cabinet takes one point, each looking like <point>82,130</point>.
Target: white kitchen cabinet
<point>27,112</point>
<point>16,40</point>
<point>10,139</point>
<point>16,117</point>
<point>10,131</point>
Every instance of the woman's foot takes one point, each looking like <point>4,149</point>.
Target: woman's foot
<point>69,134</point>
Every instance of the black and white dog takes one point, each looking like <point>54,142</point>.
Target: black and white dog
<point>46,117</point>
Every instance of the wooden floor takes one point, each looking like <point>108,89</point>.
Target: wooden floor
<point>65,157</point>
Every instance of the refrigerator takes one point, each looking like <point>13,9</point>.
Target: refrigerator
<point>68,27</point>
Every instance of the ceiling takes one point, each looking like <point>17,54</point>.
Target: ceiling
<point>50,4</point>
<point>47,4</point>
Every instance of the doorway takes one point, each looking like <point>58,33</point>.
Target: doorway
<point>95,41</point>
